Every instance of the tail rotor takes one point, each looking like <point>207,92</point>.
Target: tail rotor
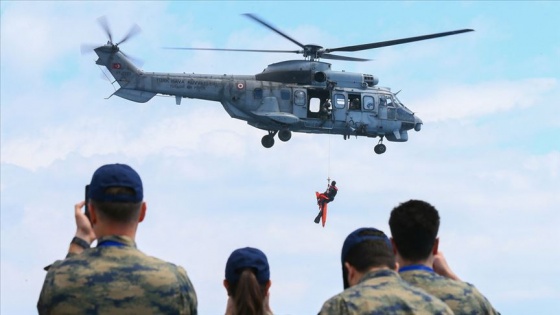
<point>104,24</point>
<point>134,30</point>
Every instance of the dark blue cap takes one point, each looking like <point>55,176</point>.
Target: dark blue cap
<point>354,239</point>
<point>247,257</point>
<point>115,175</point>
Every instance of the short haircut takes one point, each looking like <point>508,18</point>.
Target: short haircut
<point>414,227</point>
<point>122,212</point>
<point>371,252</point>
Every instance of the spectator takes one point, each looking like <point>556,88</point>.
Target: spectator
<point>371,283</point>
<point>414,227</point>
<point>247,282</point>
<point>114,277</point>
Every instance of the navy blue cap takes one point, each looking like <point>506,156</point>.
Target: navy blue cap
<point>115,175</point>
<point>247,257</point>
<point>354,239</point>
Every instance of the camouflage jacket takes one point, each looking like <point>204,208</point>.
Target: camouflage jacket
<point>463,298</point>
<point>383,292</point>
<point>116,278</point>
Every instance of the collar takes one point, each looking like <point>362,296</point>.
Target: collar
<point>116,240</point>
<point>379,273</point>
<point>416,267</point>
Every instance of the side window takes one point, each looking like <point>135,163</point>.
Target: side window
<point>258,93</point>
<point>339,101</point>
<point>314,105</point>
<point>369,102</point>
<point>285,95</point>
<point>354,102</point>
<point>299,98</point>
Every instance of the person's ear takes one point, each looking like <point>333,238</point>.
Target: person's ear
<point>226,285</point>
<point>394,246</point>
<point>351,273</point>
<point>436,245</point>
<point>143,209</point>
<point>267,286</point>
<point>92,213</point>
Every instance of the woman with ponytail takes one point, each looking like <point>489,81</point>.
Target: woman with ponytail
<point>247,282</point>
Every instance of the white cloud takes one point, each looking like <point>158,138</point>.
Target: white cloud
<point>211,187</point>
<point>472,101</point>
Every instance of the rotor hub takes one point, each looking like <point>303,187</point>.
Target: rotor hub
<point>312,51</point>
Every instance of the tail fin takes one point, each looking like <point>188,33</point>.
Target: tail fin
<point>125,73</point>
<point>122,69</point>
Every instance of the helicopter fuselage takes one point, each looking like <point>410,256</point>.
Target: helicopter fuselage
<point>356,106</point>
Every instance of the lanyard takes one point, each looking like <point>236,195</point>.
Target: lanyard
<point>110,243</point>
<point>416,267</point>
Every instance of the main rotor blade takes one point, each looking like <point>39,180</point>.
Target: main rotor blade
<point>134,30</point>
<point>136,61</point>
<point>102,20</point>
<point>396,41</point>
<point>254,17</point>
<point>87,48</point>
<point>338,57</point>
<point>247,50</point>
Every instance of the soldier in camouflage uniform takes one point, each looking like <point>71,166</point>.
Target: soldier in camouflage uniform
<point>114,277</point>
<point>372,286</point>
<point>414,226</point>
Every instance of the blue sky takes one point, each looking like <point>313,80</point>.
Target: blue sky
<point>488,156</point>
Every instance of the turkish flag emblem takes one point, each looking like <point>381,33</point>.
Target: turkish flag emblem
<point>116,66</point>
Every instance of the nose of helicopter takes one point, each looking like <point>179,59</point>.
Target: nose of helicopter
<point>417,123</point>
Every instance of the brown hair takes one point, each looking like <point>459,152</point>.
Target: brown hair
<point>247,294</point>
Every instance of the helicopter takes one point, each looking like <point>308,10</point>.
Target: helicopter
<point>304,96</point>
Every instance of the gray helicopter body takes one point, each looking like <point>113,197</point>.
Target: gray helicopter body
<point>289,96</point>
<point>275,106</point>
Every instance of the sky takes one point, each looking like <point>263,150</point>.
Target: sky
<point>488,156</point>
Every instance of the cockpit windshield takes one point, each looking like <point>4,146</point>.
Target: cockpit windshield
<point>398,102</point>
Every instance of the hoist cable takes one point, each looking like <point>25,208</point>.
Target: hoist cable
<point>329,162</point>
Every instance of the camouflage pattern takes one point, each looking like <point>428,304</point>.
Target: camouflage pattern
<point>383,292</point>
<point>463,298</point>
<point>116,280</point>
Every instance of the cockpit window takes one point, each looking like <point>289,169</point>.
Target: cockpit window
<point>398,102</point>
<point>389,100</point>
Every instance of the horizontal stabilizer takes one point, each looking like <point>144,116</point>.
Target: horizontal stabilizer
<point>281,117</point>
<point>135,95</point>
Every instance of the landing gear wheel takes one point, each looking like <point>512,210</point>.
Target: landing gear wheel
<point>380,148</point>
<point>267,141</point>
<point>284,135</point>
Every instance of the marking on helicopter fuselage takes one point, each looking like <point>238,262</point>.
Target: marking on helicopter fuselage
<point>124,73</point>
<point>201,84</point>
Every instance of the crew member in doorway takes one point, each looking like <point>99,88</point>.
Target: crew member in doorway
<point>325,110</point>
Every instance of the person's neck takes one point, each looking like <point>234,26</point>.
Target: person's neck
<point>428,262</point>
<point>117,229</point>
<point>373,269</point>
